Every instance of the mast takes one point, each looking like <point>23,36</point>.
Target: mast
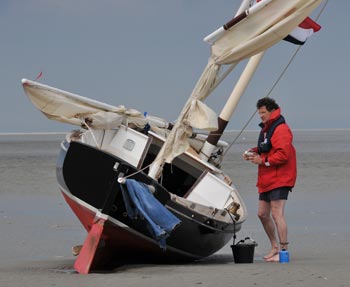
<point>248,37</point>
<point>231,105</point>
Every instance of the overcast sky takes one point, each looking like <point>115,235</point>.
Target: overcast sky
<point>148,54</point>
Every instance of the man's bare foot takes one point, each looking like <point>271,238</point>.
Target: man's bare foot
<point>273,252</point>
<point>275,258</point>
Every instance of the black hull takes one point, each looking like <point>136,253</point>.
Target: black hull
<point>87,174</point>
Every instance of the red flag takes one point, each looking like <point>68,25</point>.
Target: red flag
<point>304,30</point>
<point>39,76</point>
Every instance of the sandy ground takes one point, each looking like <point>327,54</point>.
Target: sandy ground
<point>37,230</point>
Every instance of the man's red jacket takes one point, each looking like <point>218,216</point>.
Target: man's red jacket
<point>279,168</point>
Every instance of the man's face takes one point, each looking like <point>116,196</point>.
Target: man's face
<point>264,114</point>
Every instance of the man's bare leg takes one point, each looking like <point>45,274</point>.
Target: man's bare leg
<point>277,212</point>
<point>269,227</point>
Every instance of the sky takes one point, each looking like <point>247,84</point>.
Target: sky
<point>148,55</point>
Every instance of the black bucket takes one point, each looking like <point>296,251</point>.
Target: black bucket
<point>243,251</point>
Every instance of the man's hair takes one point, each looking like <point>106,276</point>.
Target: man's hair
<point>269,103</point>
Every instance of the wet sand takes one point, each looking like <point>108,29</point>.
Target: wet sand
<point>38,229</point>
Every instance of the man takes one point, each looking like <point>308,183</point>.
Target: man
<point>275,156</point>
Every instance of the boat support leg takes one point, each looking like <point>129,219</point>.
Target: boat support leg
<point>86,256</point>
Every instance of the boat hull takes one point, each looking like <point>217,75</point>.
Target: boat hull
<point>86,178</point>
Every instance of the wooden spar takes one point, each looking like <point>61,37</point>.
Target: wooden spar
<point>231,105</point>
<point>214,36</point>
<point>211,38</point>
<point>218,33</point>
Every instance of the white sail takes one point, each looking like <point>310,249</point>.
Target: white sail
<point>251,36</point>
<point>73,109</point>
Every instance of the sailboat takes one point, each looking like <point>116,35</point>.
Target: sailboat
<point>142,186</point>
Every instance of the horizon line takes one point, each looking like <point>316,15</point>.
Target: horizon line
<point>228,131</point>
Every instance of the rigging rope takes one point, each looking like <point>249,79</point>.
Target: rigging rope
<point>273,86</point>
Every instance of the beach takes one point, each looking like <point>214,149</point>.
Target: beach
<point>37,228</point>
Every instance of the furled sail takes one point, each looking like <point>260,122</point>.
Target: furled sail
<point>254,34</point>
<point>73,109</point>
<point>262,30</point>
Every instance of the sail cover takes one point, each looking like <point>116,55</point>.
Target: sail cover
<point>251,36</point>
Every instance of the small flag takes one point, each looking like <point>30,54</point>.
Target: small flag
<point>304,30</point>
<point>38,76</point>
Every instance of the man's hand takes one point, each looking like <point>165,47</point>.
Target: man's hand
<point>251,156</point>
<point>256,158</point>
